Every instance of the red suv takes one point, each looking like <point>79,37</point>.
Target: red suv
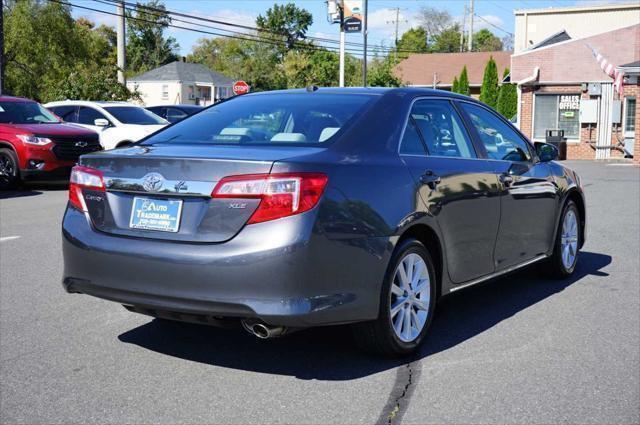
<point>35,145</point>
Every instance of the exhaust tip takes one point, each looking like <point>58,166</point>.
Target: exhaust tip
<point>261,331</point>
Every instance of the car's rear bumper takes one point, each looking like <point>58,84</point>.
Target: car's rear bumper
<point>297,278</point>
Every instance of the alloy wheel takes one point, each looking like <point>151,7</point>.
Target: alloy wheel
<point>6,168</point>
<point>569,239</point>
<point>410,297</point>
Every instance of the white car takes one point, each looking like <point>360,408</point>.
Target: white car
<point>117,123</point>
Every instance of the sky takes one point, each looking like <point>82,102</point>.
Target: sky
<point>495,15</point>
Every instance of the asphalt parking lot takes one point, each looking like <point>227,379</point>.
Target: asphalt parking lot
<point>522,349</point>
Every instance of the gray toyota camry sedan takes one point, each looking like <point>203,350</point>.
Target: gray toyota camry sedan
<point>284,210</point>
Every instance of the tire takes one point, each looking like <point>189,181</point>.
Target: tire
<point>380,336</point>
<point>9,172</point>
<point>566,246</point>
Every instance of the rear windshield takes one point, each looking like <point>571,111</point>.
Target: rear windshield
<point>293,119</point>
<point>25,113</point>
<point>134,115</point>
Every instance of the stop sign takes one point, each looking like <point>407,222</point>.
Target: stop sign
<point>240,87</point>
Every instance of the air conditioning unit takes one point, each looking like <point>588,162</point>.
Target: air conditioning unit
<point>192,96</point>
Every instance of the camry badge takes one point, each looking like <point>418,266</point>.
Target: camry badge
<point>152,182</point>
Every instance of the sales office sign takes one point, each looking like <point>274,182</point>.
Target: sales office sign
<point>569,102</point>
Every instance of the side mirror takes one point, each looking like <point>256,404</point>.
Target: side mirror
<point>546,152</point>
<point>101,122</point>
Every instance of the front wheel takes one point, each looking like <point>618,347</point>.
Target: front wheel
<point>407,303</point>
<point>9,174</point>
<point>565,253</point>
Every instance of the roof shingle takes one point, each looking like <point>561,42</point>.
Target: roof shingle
<point>418,69</point>
<point>186,72</point>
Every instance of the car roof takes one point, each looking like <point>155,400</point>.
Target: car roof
<point>15,99</point>
<point>414,91</point>
<point>179,106</point>
<point>89,103</point>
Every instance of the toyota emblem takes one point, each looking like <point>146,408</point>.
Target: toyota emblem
<point>152,182</point>
<point>81,144</point>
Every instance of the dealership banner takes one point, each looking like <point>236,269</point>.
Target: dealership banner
<point>352,10</point>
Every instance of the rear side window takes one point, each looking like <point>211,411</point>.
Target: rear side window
<point>500,140</point>
<point>411,142</point>
<point>441,129</point>
<point>134,115</point>
<point>291,118</point>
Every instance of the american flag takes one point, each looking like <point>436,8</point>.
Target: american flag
<point>609,69</point>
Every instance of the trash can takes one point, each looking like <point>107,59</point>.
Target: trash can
<point>557,139</point>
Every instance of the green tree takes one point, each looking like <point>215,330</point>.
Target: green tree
<point>45,48</point>
<point>96,84</point>
<point>447,41</point>
<point>489,89</point>
<point>463,82</point>
<point>414,40</point>
<point>455,87</point>
<point>485,41</point>
<point>381,73</point>
<point>289,21</point>
<point>147,47</point>
<point>507,98</point>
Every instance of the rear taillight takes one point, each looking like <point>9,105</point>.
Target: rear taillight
<point>280,195</point>
<point>84,178</point>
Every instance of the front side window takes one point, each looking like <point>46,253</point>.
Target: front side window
<point>296,118</point>
<point>89,116</point>
<point>557,112</point>
<point>134,115</point>
<point>68,113</point>
<point>441,129</point>
<point>499,139</point>
<point>25,113</point>
<point>630,115</point>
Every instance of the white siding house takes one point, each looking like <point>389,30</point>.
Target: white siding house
<point>181,82</point>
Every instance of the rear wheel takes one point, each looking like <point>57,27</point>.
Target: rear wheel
<point>9,175</point>
<point>407,303</point>
<point>565,252</point>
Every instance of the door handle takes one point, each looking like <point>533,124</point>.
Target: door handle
<point>506,179</point>
<point>430,179</point>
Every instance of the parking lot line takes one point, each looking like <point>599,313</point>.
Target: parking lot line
<point>8,238</point>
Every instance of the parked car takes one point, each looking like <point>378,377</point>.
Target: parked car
<point>286,210</point>
<point>35,145</point>
<point>175,113</point>
<point>118,123</point>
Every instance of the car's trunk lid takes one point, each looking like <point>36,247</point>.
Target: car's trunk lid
<point>173,184</point>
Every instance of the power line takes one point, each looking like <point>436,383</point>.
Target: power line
<point>492,24</point>
<point>247,37</point>
<point>171,13</point>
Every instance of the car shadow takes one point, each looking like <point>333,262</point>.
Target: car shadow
<point>329,353</point>
<point>33,190</point>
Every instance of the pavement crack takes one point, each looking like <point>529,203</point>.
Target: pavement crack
<point>400,396</point>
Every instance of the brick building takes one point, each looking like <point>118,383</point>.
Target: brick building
<point>561,86</point>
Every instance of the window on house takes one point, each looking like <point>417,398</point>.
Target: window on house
<point>630,115</point>
<point>557,111</point>
<point>165,91</point>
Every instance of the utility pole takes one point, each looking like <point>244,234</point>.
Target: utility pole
<point>470,45</point>
<point>1,47</point>
<point>341,45</point>
<point>396,22</point>
<point>464,21</point>
<point>122,63</point>
<point>364,34</point>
